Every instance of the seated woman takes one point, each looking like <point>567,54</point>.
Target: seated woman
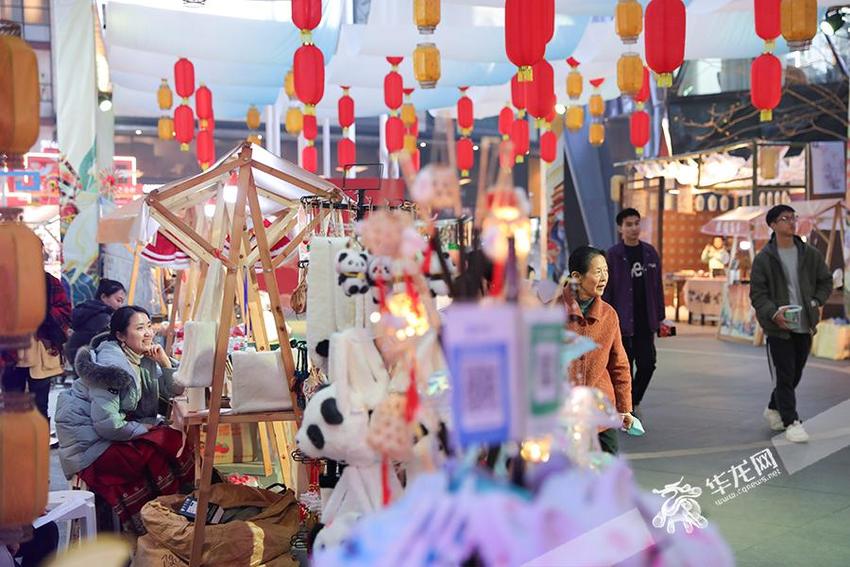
<point>606,367</point>
<point>107,423</point>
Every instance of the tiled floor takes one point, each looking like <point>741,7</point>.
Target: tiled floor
<point>703,415</point>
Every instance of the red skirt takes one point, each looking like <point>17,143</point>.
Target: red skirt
<point>130,474</point>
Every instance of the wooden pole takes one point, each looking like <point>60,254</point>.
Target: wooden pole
<point>134,274</point>
<point>213,419</point>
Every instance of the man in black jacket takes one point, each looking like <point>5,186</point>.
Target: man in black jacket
<point>789,283</point>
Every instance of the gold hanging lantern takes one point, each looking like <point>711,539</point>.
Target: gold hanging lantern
<point>408,114</point>
<point>426,65</point>
<point>252,119</point>
<point>289,85</point>
<point>630,73</point>
<point>255,139</point>
<point>574,119</point>
<point>596,134</point>
<point>769,162</point>
<point>164,97</point>
<point>575,82</point>
<point>22,281</point>
<point>24,458</point>
<point>409,144</point>
<point>426,14</point>
<point>596,105</point>
<point>165,128</point>
<point>19,96</point>
<point>799,20</point>
<point>628,20</point>
<point>294,120</point>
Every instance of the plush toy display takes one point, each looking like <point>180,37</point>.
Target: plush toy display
<point>436,283</point>
<point>351,268</point>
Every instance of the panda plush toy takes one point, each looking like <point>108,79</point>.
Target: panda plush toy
<point>436,283</point>
<point>380,269</point>
<point>351,268</point>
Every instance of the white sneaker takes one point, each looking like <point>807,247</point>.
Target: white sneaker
<point>796,434</point>
<point>774,419</point>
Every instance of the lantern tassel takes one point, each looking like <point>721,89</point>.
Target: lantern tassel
<point>766,115</point>
<point>665,80</point>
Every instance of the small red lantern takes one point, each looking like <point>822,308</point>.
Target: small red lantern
<point>346,152</point>
<point>529,25</point>
<point>519,95</point>
<point>766,87</point>
<point>465,156</point>
<point>306,14</point>
<point>394,132</point>
<point>184,78</point>
<point>643,94</point>
<point>768,17</point>
<point>413,129</point>
<point>639,130</point>
<point>184,126</point>
<point>664,38</point>
<point>548,146</point>
<point>310,158</point>
<point>506,122</point>
<point>415,159</point>
<point>309,70</point>
<point>310,127</point>
<point>519,136</point>
<point>539,99</point>
<point>394,86</point>
<point>465,113</point>
<point>205,149</point>
<point>345,109</point>
<point>203,106</point>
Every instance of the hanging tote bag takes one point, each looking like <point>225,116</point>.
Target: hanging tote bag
<point>199,335</point>
<point>259,383</point>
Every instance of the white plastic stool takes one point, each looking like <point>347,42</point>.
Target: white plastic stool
<point>65,505</point>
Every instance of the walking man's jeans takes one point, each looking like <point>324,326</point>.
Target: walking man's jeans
<point>17,379</point>
<point>787,358</point>
<point>641,352</point>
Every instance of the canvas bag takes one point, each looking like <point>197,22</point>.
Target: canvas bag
<point>831,341</point>
<point>259,382</point>
<point>199,335</point>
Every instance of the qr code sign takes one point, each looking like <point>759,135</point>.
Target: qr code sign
<point>482,394</point>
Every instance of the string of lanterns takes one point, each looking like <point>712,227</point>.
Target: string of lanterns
<point>411,129</point>
<point>766,69</point>
<point>308,75</point>
<point>574,118</point>
<point>346,151</point>
<point>426,56</point>
<point>165,100</point>
<point>465,124</point>
<point>393,99</point>
<point>294,120</point>
<point>184,118</point>
<point>632,75</point>
<point>596,107</point>
<point>205,144</point>
<point>664,38</point>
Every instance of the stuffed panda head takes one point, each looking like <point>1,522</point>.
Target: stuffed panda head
<point>436,283</point>
<point>351,267</point>
<point>330,430</point>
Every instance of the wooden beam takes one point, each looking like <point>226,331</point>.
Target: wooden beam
<point>273,234</point>
<point>222,341</point>
<point>272,196</point>
<point>222,169</point>
<point>281,258</point>
<point>190,233</point>
<point>134,274</point>
<point>300,183</point>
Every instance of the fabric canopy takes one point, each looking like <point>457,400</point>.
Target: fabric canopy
<point>749,222</point>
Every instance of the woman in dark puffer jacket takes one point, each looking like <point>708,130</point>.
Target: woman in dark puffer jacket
<point>91,317</point>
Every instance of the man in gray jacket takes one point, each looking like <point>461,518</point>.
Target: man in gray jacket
<point>789,283</point>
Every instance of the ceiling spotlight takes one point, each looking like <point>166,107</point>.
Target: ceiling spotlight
<point>560,108</point>
<point>104,101</point>
<point>259,136</point>
<point>422,144</point>
<point>138,132</point>
<point>475,148</point>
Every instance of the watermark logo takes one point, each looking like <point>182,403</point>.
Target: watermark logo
<point>743,477</point>
<point>680,507</point>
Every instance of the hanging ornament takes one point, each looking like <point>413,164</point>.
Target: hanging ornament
<point>19,99</point>
<point>345,109</point>
<point>506,122</point>
<point>643,94</point>
<point>768,19</point>
<point>628,20</point>
<point>289,85</point>
<point>165,128</point>
<point>596,105</point>
<point>163,96</point>
<point>306,15</point>
<point>310,127</point>
<point>520,138</point>
<point>309,68</point>
<point>548,146</point>
<point>426,65</point>
<point>664,38</point>
<point>184,126</point>
<point>574,119</point>
<point>294,121</point>
<point>203,106</point>
<point>529,25</point>
<point>629,74</point>
<point>254,139</point>
<point>539,98</point>
<point>345,147</point>
<point>465,156</point>
<point>639,130</point>
<point>799,23</point>
<point>408,111</point>
<point>394,87</point>
<point>205,149</point>
<point>184,78</point>
<point>346,153</point>
<point>518,95</point>
<point>465,113</point>
<point>410,143</point>
<point>310,158</point>
<point>426,15</point>
<point>575,82</point>
<point>596,134</point>
<point>252,118</point>
<point>394,133</point>
<point>766,87</point>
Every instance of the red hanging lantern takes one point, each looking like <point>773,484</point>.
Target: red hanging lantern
<point>203,106</point>
<point>394,133</point>
<point>643,94</point>
<point>539,99</point>
<point>506,122</point>
<point>664,38</point>
<point>519,136</point>
<point>413,129</point>
<point>205,149</point>
<point>529,25</point>
<point>465,156</point>
<point>415,158</point>
<point>465,113</point>
<point>184,78</point>
<point>639,130</point>
<point>345,109</point>
<point>310,127</point>
<point>766,87</point>
<point>519,95</point>
<point>548,146</point>
<point>394,86</point>
<point>184,126</point>
<point>310,158</point>
<point>306,14</point>
<point>768,17</point>
<point>309,71</point>
<point>346,152</point>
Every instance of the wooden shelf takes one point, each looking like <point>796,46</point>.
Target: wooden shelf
<point>189,419</point>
